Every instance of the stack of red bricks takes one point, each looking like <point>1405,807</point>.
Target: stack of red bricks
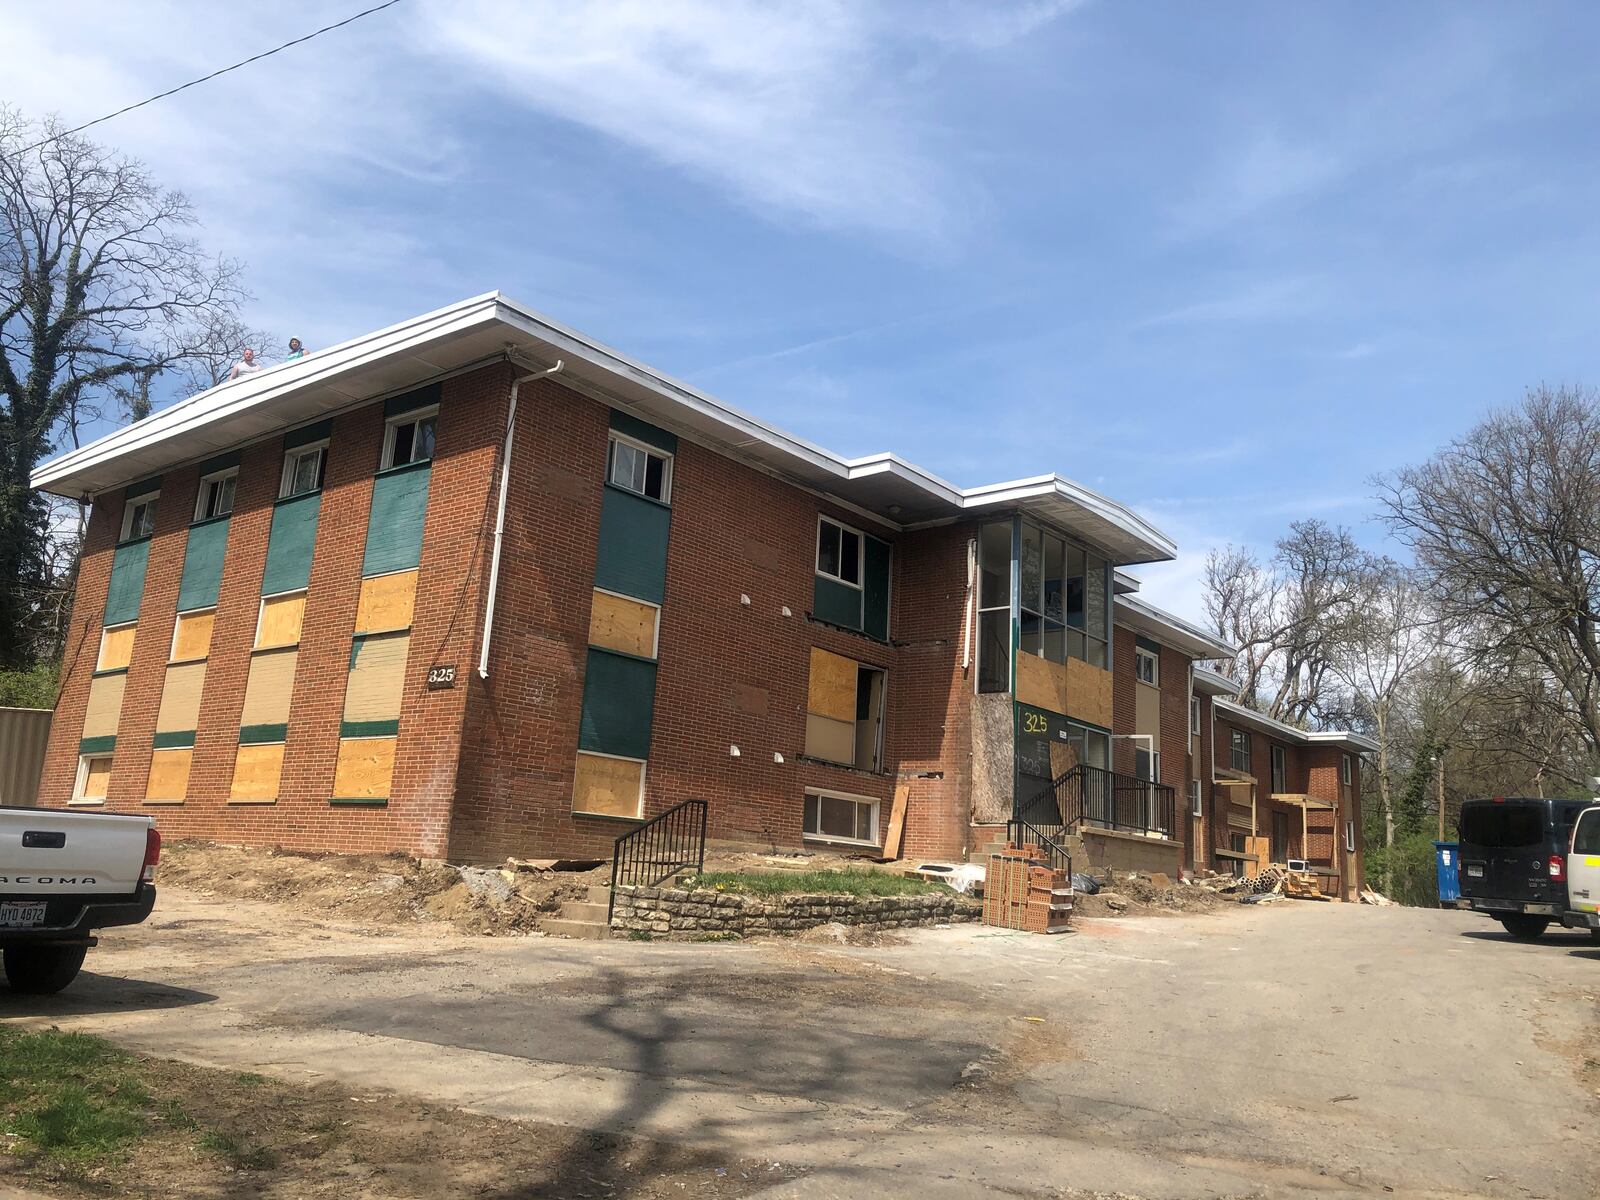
<point>1022,891</point>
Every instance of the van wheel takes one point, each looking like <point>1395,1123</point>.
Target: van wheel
<point>1594,936</point>
<point>1525,928</point>
<point>42,970</point>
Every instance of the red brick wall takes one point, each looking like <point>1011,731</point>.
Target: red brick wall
<point>1124,712</point>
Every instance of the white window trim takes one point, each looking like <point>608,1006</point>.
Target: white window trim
<point>1347,773</point>
<point>1194,716</point>
<point>127,515</point>
<point>1140,654</point>
<point>1249,751</point>
<point>861,554</point>
<point>1350,837</point>
<point>261,611</point>
<point>828,793</point>
<point>644,771</point>
<point>655,634</point>
<point>172,650</point>
<point>1195,800</point>
<point>665,456</point>
<point>410,416</point>
<point>204,491</point>
<point>292,456</point>
<point>82,779</point>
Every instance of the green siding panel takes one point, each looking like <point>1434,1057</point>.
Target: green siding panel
<point>394,529</point>
<point>289,545</point>
<point>633,546</point>
<point>619,698</point>
<point>837,603</point>
<point>307,434</point>
<point>174,741</point>
<point>643,431</point>
<point>220,463</point>
<point>127,582</point>
<point>369,729</point>
<point>98,745</point>
<point>875,591</point>
<point>202,565</point>
<point>145,486</point>
<point>416,398</point>
<point>262,735</point>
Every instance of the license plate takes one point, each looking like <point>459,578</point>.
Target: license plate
<point>1475,872</point>
<point>15,916</point>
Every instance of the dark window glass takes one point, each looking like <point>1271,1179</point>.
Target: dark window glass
<point>828,549</point>
<point>1587,839</point>
<point>994,651</point>
<point>1503,825</point>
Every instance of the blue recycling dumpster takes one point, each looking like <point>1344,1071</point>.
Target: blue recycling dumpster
<point>1449,873</point>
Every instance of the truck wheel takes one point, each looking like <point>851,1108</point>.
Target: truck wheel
<point>42,970</point>
<point>1525,928</point>
<point>1594,936</point>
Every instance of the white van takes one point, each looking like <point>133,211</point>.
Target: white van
<point>1583,874</point>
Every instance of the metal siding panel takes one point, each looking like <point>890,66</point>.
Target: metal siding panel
<point>269,688</point>
<point>377,678</point>
<point>875,592</point>
<point>289,545</point>
<point>642,431</point>
<point>127,582</point>
<point>202,564</point>
<point>633,545</point>
<point>180,698</point>
<point>105,706</point>
<point>420,397</point>
<point>837,603</point>
<point>394,527</point>
<point>619,696</point>
<point>24,733</point>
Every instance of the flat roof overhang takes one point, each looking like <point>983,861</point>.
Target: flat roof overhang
<point>486,328</point>
<point>1169,629</point>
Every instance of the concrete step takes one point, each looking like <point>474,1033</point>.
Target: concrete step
<point>584,910</point>
<point>585,931</point>
<point>599,893</point>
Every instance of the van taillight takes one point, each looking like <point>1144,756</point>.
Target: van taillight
<point>152,854</point>
<point>1558,867</point>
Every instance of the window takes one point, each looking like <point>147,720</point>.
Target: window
<point>139,517</point>
<point>94,774</point>
<point>1147,765</point>
<point>408,438</point>
<point>1239,750</point>
<point>1348,769</point>
<point>636,467</point>
<point>837,817</point>
<point>1350,836</point>
<point>1586,838</point>
<point>1280,836</point>
<point>302,470</point>
<point>838,552</point>
<point>1194,797</point>
<point>994,607</point>
<point>1280,771</point>
<point>1146,666</point>
<point>1194,716</point>
<point>1503,826</point>
<point>844,711</point>
<point>216,494</point>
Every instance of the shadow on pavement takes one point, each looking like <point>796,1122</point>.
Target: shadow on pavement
<point>91,993</point>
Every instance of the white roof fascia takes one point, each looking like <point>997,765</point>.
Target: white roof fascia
<point>1173,630</point>
<point>1344,737</point>
<point>1337,737</point>
<point>1213,682</point>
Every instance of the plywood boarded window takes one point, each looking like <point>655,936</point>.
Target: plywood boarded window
<point>619,623</point>
<point>377,680</point>
<point>255,773</point>
<point>191,639</point>
<point>180,698</point>
<point>365,769</point>
<point>105,706</point>
<point>608,787</point>
<point>116,647</point>
<point>269,688</point>
<point>169,775</point>
<point>844,711</point>
<point>386,602</point>
<point>280,621</point>
<point>94,778</point>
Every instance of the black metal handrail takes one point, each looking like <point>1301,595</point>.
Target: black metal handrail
<point>1101,798</point>
<point>1021,833</point>
<point>664,845</point>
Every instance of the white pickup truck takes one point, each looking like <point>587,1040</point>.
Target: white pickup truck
<point>64,875</point>
<point>1583,874</point>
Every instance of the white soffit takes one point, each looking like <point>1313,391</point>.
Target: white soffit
<point>1169,629</point>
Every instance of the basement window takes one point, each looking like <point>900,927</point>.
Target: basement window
<point>838,552</point>
<point>638,468</point>
<point>216,494</point>
<point>409,438</point>
<point>139,517</point>
<point>839,817</point>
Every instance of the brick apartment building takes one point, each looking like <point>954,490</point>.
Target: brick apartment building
<point>475,586</point>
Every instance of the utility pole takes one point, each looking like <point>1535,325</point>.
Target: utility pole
<point>1441,793</point>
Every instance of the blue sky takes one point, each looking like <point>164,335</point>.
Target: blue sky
<point>1221,262</point>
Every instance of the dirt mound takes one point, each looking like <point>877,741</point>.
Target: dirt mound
<point>1137,895</point>
<point>386,889</point>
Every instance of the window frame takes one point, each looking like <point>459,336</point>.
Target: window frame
<point>146,501</point>
<point>177,624</point>
<point>875,804</point>
<point>1141,655</point>
<point>261,612</point>
<point>880,734</point>
<point>1155,764</point>
<point>666,456</point>
<point>1347,774</point>
<point>1279,768</point>
<point>1233,750</point>
<point>203,495</point>
<point>391,429</point>
<point>82,780</point>
<point>1194,716</point>
<point>1196,801</point>
<point>291,457</point>
<point>861,553</point>
<point>1349,837</point>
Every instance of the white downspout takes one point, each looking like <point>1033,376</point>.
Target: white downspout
<point>500,514</point>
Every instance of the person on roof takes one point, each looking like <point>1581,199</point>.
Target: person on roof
<point>247,364</point>
<point>296,350</point>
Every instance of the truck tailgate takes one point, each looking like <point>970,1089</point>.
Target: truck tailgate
<point>46,852</point>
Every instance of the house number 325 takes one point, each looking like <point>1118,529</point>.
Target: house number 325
<point>441,677</point>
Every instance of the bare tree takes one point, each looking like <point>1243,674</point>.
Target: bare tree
<point>96,281</point>
<point>1505,525</point>
<point>209,347</point>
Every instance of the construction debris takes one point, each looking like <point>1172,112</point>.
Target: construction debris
<point>1368,896</point>
<point>1023,891</point>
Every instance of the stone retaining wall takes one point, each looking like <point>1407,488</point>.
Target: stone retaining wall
<point>673,910</point>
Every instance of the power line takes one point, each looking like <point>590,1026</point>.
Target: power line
<point>204,78</point>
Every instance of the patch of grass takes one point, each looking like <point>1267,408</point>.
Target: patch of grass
<point>250,1078</point>
<point>71,1097</point>
<point>789,883</point>
<point>638,935</point>
<point>241,1155</point>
